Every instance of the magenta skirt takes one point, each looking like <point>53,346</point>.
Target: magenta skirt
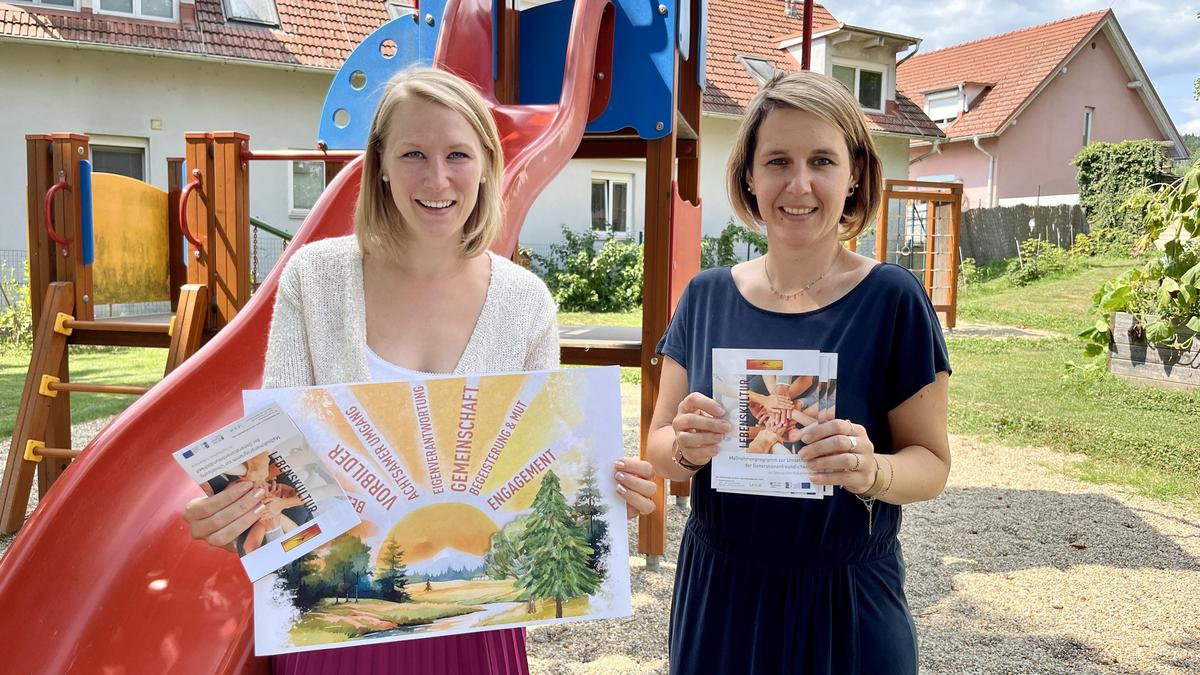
<point>498,652</point>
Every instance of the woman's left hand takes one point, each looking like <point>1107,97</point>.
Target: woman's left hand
<point>635,484</point>
<point>840,453</point>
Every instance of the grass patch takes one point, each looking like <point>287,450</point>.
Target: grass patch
<point>1061,302</point>
<point>1017,392</point>
<point>474,591</point>
<point>329,622</point>
<point>631,318</point>
<point>133,366</point>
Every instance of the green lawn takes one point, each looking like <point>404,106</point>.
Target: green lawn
<point>1060,303</point>
<point>108,365</point>
<point>630,318</point>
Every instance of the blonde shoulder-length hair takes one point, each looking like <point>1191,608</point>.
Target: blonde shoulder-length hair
<point>377,222</point>
<point>828,99</point>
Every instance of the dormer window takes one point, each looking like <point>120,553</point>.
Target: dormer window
<point>866,85</point>
<point>944,106</point>
<point>252,11</point>
<point>759,68</point>
<point>56,4</point>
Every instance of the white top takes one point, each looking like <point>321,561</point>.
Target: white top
<point>319,326</point>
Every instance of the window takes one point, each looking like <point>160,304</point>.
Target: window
<point>306,183</point>
<point>60,4</point>
<point>610,202</point>
<point>124,161</point>
<point>252,11</point>
<point>759,68</point>
<point>943,106</point>
<point>1088,112</point>
<point>161,10</point>
<point>865,84</point>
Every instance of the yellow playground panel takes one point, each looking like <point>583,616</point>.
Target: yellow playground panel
<point>130,234</point>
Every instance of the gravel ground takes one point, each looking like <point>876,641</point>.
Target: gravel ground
<point>1016,568</point>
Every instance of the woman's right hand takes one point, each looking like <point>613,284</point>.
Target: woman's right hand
<point>223,517</point>
<point>699,428</point>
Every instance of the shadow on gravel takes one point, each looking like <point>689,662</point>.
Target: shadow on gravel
<point>1000,531</point>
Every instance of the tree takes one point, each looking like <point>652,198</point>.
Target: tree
<point>391,575</point>
<point>589,507</point>
<point>557,549</point>
<point>505,560</point>
<point>301,580</point>
<point>345,565</point>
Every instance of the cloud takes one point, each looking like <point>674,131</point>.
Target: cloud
<point>1190,121</point>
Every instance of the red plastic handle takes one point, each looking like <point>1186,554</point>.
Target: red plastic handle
<point>48,217</point>
<point>183,201</point>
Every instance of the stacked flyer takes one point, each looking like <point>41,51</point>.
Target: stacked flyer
<point>303,508</point>
<point>770,396</point>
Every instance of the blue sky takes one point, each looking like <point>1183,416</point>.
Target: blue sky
<point>1165,33</point>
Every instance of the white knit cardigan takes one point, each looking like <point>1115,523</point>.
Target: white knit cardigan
<point>319,326</point>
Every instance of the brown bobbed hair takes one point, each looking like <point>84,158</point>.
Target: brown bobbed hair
<point>828,99</point>
<point>377,222</point>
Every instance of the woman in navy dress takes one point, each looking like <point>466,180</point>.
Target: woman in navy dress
<point>770,584</point>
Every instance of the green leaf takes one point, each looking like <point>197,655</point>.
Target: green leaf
<point>1092,349</point>
<point>1194,324</point>
<point>1169,285</point>
<point>1101,326</point>
<point>1159,331</point>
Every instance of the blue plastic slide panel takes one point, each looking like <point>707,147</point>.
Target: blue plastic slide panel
<point>685,28</point>
<point>643,64</point>
<point>85,211</point>
<point>356,89</point>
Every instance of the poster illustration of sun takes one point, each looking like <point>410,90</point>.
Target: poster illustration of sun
<point>486,501</point>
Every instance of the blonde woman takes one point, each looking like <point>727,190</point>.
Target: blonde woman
<point>777,585</point>
<point>413,292</point>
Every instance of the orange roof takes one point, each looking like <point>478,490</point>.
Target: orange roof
<point>1015,63</point>
<point>312,33</point>
<point>754,28</point>
<point>750,28</point>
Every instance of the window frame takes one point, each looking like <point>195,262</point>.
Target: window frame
<point>610,178</point>
<point>257,22</point>
<point>399,8</point>
<point>1089,121</point>
<point>137,13</point>
<point>75,5</point>
<point>293,211</point>
<point>955,95</point>
<point>99,140</point>
<point>858,67</point>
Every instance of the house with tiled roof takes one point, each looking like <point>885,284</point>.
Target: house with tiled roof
<point>747,41</point>
<point>135,75</point>
<point>1015,108</point>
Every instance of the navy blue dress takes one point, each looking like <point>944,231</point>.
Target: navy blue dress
<point>780,585</point>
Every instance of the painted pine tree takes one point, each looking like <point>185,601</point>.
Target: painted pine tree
<point>557,549</point>
<point>391,574</point>
<point>589,509</point>
<point>505,560</point>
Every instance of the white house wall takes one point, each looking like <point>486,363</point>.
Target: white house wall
<point>50,89</point>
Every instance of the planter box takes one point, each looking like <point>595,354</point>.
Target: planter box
<point>1138,362</point>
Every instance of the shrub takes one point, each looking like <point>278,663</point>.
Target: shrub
<point>968,273</point>
<point>1109,173</point>
<point>720,251</point>
<point>16,317</point>
<point>583,278</point>
<point>1037,259</point>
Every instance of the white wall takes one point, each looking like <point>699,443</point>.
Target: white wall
<point>51,89</point>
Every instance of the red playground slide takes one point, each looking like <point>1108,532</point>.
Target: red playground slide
<point>105,577</point>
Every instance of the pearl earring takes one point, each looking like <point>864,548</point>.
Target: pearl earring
<point>385,179</point>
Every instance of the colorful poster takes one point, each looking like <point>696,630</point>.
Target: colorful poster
<point>486,502</point>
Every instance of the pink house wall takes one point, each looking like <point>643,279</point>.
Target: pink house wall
<point>959,159</point>
<point>1038,149</point>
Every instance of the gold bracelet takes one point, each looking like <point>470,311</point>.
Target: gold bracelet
<point>891,475</point>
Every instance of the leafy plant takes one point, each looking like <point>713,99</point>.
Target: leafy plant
<point>16,317</point>
<point>583,278</point>
<point>1164,294</point>
<point>1109,173</point>
<point>720,251</point>
<point>1037,259</point>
